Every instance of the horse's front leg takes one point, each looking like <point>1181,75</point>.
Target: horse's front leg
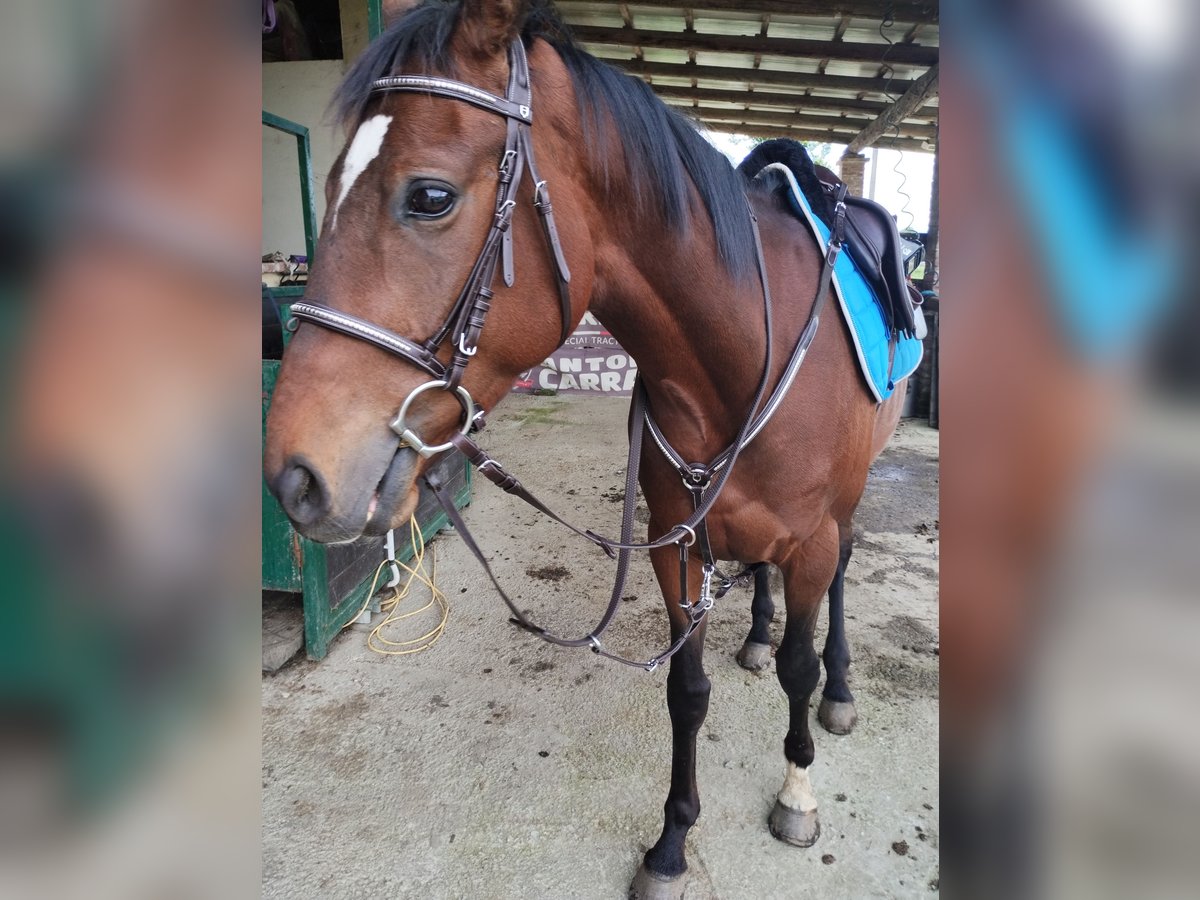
<point>663,872</point>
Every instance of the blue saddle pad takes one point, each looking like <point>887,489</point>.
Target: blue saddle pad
<point>860,309</point>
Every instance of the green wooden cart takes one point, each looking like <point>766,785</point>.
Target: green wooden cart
<point>334,580</point>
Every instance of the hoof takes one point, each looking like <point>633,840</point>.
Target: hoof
<point>754,657</point>
<point>648,886</point>
<point>837,717</point>
<point>800,829</point>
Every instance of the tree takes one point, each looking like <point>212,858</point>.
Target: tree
<point>822,153</point>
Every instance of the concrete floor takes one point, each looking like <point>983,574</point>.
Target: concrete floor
<point>495,766</point>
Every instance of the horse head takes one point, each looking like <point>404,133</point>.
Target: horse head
<point>423,237</point>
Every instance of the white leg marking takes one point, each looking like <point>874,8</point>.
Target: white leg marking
<point>797,790</point>
<point>367,143</point>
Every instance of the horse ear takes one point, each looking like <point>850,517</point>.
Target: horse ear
<point>489,26</point>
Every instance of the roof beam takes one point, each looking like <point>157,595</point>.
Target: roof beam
<point>912,99</point>
<point>794,48</point>
<point>790,102</point>
<point>805,134</point>
<point>903,11</point>
<point>761,77</point>
<point>848,127</point>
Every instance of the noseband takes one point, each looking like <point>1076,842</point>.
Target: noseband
<point>464,323</point>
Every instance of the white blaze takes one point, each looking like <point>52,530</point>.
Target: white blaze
<point>797,790</point>
<point>367,143</point>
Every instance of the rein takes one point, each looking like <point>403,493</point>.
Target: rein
<point>462,328</point>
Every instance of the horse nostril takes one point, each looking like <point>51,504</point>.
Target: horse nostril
<point>302,493</point>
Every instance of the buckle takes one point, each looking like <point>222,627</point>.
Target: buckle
<point>838,233</point>
<point>689,530</point>
<point>504,215</point>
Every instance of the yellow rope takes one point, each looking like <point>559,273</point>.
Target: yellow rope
<point>390,605</point>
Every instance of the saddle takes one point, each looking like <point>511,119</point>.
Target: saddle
<point>874,243</point>
<point>872,238</point>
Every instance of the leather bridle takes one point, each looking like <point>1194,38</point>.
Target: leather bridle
<point>466,318</point>
<point>462,328</point>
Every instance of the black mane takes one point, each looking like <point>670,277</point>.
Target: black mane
<point>662,147</point>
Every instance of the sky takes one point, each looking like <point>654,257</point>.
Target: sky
<point>901,181</point>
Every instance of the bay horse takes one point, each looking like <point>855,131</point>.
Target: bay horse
<point>671,248</point>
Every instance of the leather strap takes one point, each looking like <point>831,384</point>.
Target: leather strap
<point>541,202</point>
<point>492,470</point>
<point>456,90</point>
<point>704,498</point>
<point>592,639</point>
<point>335,320</point>
<point>464,323</point>
<point>690,472</point>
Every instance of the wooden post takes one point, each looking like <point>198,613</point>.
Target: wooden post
<point>355,19</point>
<point>910,101</point>
<point>929,279</point>
<point>932,307</point>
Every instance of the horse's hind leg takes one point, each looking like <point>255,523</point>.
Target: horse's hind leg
<point>662,875</point>
<point>756,651</point>
<point>807,574</point>
<point>836,711</point>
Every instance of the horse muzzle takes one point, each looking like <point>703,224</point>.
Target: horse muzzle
<point>306,495</point>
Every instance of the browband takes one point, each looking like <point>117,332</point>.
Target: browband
<point>455,90</point>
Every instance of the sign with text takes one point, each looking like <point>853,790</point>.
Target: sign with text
<point>590,362</point>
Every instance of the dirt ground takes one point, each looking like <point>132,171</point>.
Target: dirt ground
<point>495,766</point>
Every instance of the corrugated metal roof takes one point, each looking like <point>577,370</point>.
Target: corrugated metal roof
<point>811,70</point>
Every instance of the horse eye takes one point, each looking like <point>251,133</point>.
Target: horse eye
<point>430,201</point>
